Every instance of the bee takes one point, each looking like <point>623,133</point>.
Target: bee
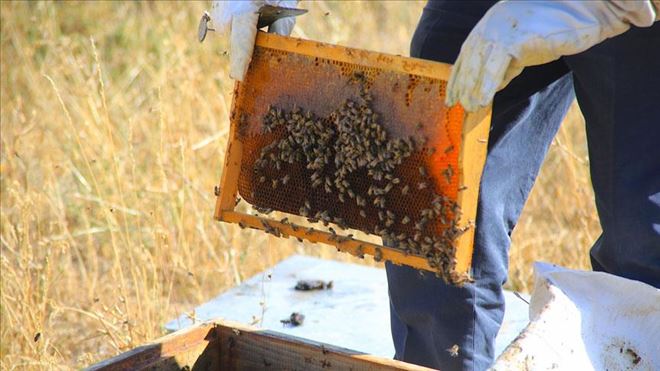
<point>286,178</point>
<point>216,191</point>
<point>363,214</point>
<point>421,185</point>
<point>449,149</point>
<point>405,189</point>
<point>405,220</point>
<point>284,220</point>
<point>448,173</point>
<point>242,225</point>
<point>344,238</point>
<point>378,255</point>
<point>422,171</point>
<point>359,251</point>
<point>266,226</point>
<point>462,188</point>
<point>426,248</point>
<point>453,350</point>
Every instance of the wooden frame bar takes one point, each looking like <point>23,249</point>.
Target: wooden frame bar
<point>225,345</point>
<point>471,158</point>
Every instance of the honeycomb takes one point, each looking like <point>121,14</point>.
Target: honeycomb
<point>359,147</point>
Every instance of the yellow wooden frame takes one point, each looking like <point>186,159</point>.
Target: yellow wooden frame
<point>471,158</point>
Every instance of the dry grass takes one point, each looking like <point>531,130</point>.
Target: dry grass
<point>113,132</point>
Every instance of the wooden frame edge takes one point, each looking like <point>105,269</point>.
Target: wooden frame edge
<point>421,67</point>
<point>168,346</point>
<point>354,247</point>
<point>475,142</point>
<point>226,200</point>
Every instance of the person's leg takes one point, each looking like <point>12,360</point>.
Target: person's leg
<point>429,317</point>
<point>617,84</point>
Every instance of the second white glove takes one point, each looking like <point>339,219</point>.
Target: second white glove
<point>516,34</point>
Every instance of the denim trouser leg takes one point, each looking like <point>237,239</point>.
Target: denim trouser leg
<point>427,316</point>
<point>617,84</point>
<point>617,87</point>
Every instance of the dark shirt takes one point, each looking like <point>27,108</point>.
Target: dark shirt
<point>475,8</point>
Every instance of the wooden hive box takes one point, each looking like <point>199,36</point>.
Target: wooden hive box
<point>224,345</point>
<point>435,154</point>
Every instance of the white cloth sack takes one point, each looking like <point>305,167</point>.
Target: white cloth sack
<point>587,321</point>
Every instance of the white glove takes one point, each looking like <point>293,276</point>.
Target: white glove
<point>240,19</point>
<point>516,34</point>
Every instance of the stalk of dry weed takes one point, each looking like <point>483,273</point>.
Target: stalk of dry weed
<point>113,131</point>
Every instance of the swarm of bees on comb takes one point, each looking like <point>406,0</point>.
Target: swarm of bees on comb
<point>351,161</point>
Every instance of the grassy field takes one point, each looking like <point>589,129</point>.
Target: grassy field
<point>114,121</point>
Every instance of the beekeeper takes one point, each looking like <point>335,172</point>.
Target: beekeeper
<point>531,59</point>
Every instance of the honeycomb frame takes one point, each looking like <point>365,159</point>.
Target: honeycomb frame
<point>470,157</point>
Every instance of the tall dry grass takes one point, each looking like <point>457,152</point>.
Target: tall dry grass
<point>114,121</point>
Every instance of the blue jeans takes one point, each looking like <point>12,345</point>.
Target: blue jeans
<point>617,84</point>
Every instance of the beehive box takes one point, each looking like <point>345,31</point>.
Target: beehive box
<point>226,345</point>
<point>344,140</point>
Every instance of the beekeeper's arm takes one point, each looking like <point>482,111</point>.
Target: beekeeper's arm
<point>239,18</point>
<point>516,34</point>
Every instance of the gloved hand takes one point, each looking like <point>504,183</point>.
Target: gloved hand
<point>516,34</point>
<point>240,19</point>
